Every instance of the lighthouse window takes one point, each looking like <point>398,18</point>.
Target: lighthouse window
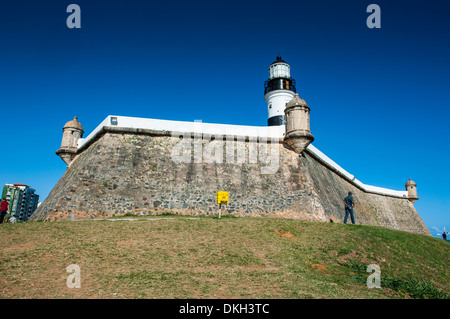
<point>270,105</point>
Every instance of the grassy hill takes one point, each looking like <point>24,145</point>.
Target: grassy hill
<point>180,257</point>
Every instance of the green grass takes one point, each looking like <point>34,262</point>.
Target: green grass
<point>219,258</point>
<point>168,214</point>
<point>417,288</point>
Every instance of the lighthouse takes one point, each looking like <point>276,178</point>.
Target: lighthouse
<point>279,89</point>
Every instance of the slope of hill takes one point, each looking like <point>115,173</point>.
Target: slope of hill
<point>181,257</point>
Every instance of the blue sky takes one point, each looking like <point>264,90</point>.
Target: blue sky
<point>379,97</point>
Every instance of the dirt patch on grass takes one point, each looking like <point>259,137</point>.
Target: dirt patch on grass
<point>128,243</point>
<point>319,267</point>
<point>213,268</point>
<point>352,256</point>
<point>284,233</point>
<point>255,266</point>
<point>18,248</point>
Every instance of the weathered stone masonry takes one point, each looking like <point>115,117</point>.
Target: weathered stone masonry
<point>131,171</point>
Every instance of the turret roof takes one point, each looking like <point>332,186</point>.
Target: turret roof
<point>74,124</point>
<point>296,101</point>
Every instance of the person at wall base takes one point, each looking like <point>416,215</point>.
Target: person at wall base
<point>349,204</point>
<point>4,205</point>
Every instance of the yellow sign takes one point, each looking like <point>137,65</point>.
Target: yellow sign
<point>222,198</point>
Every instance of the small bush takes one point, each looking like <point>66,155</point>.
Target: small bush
<point>168,214</point>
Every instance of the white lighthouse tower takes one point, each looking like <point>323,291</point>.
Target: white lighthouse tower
<point>279,89</point>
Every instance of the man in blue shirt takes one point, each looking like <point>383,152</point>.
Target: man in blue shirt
<point>349,204</point>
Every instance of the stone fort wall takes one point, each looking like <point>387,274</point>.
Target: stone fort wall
<point>123,172</point>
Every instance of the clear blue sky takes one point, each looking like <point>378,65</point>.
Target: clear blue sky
<point>379,98</point>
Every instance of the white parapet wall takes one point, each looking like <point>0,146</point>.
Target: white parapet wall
<point>267,132</point>
<point>321,157</point>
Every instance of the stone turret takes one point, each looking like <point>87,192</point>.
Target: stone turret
<point>72,132</point>
<point>411,187</point>
<point>298,134</point>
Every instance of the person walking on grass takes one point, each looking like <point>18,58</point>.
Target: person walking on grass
<point>349,204</point>
<point>4,206</point>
